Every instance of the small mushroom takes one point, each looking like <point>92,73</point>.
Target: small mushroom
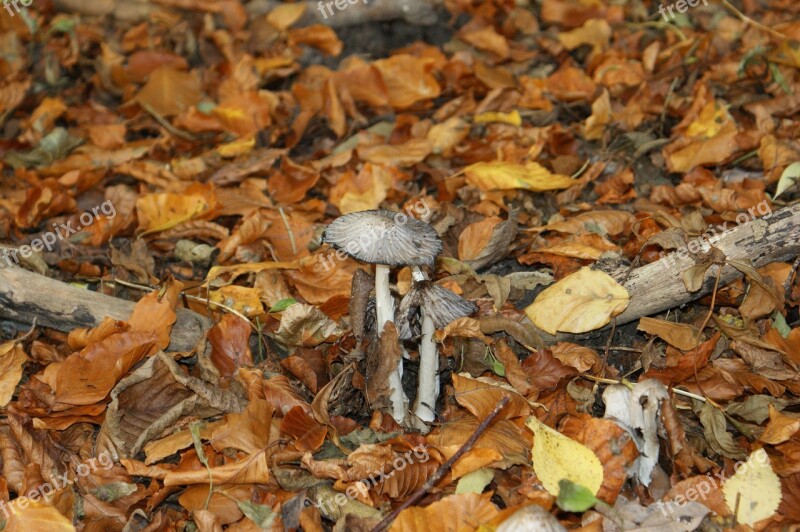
<point>385,238</point>
<point>437,306</point>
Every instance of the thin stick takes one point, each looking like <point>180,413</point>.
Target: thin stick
<point>747,20</point>
<point>787,285</point>
<point>288,230</point>
<point>700,332</point>
<point>444,468</point>
<point>678,391</point>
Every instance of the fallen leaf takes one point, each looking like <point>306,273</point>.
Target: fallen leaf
<point>556,457</point>
<point>581,302</point>
<point>754,492</point>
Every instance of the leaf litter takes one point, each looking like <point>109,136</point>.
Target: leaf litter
<point>549,144</point>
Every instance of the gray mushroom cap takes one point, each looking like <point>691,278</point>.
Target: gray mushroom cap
<point>384,237</point>
<point>441,304</point>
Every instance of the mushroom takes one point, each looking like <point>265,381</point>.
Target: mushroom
<point>385,238</point>
<point>437,306</point>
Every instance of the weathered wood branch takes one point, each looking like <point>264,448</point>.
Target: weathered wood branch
<point>659,286</point>
<point>25,295</point>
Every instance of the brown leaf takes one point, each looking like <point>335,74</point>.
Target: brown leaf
<point>80,338</point>
<point>581,358</point>
<point>156,396</point>
<point>780,427</point>
<point>685,363</point>
<point>155,313</point>
<point>170,92</point>
<point>12,358</point>
<point>230,344</point>
<point>407,79</point>
<point>679,335</point>
<point>481,397</point>
<point>308,434</point>
<point>514,372</point>
<point>86,377</point>
<point>456,513</point>
<point>503,437</point>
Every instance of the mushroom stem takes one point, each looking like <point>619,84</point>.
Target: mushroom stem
<point>428,386</point>
<point>384,308</point>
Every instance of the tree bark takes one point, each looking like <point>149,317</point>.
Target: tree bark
<point>25,295</point>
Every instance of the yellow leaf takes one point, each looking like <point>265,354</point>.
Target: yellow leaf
<point>513,118</point>
<point>757,488</point>
<point>712,117</point>
<point>581,302</point>
<point>241,146</point>
<point>499,175</point>
<point>285,15</point>
<point>34,516</point>
<point>243,299</point>
<point>162,211</point>
<point>12,358</point>
<point>556,457</point>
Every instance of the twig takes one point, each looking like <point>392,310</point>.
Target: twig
<point>747,20</point>
<point>628,384</point>
<point>288,230</point>
<point>185,135</point>
<point>700,332</point>
<point>787,285</point>
<point>205,300</point>
<point>444,468</point>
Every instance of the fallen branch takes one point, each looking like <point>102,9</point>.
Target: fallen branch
<point>659,286</point>
<point>25,296</point>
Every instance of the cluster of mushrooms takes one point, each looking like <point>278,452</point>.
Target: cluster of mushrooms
<point>386,238</point>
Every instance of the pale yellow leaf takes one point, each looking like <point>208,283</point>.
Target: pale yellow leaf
<point>581,302</point>
<point>557,457</point>
<point>757,488</point>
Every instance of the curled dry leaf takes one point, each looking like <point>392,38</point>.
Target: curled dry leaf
<point>480,397</point>
<point>581,302</point>
<point>308,434</point>
<point>305,325</point>
<point>137,415</point>
<point>679,335</point>
<point>12,358</point>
